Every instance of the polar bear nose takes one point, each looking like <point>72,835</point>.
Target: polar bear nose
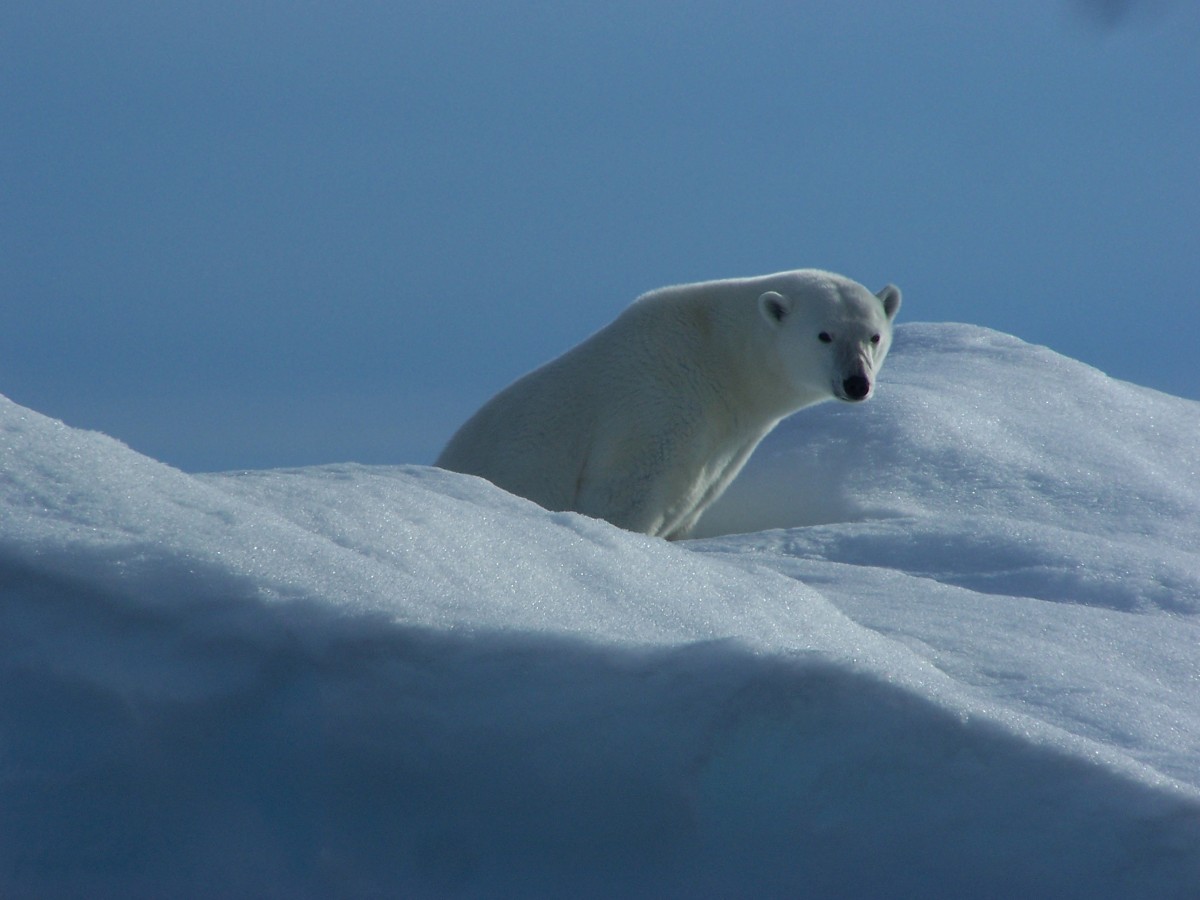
<point>856,387</point>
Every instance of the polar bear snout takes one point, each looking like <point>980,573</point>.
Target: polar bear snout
<point>856,387</point>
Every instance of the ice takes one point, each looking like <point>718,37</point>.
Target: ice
<point>942,644</point>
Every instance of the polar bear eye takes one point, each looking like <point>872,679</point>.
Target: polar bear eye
<point>874,339</point>
<point>825,338</point>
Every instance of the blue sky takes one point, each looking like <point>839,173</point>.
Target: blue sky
<point>245,235</point>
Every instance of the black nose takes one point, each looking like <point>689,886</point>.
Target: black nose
<point>856,387</point>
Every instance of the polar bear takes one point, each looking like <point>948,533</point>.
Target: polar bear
<point>646,422</point>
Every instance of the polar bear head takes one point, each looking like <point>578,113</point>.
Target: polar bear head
<point>831,333</point>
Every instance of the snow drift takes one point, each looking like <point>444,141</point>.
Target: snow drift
<point>965,663</point>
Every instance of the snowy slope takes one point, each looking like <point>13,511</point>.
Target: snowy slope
<point>1028,525</point>
<point>966,664</point>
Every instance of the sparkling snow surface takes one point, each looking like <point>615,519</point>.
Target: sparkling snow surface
<point>943,644</point>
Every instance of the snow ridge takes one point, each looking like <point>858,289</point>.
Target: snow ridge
<point>940,645</point>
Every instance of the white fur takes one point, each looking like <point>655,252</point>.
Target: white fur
<point>647,421</point>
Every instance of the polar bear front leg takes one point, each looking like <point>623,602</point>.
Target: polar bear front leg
<point>635,504</point>
<point>627,480</point>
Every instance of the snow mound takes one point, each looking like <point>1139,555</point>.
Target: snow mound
<point>969,421</point>
<point>972,672</point>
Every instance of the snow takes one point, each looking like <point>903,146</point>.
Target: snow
<point>943,644</point>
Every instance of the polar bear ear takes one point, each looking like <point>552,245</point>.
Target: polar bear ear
<point>774,307</point>
<point>890,296</point>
